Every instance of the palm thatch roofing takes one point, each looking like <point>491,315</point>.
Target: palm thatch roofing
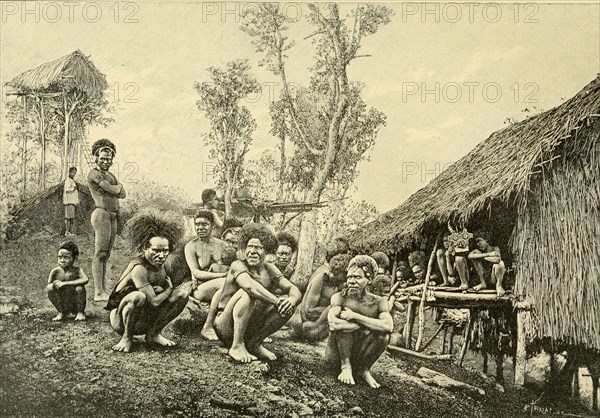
<point>72,71</point>
<point>498,171</point>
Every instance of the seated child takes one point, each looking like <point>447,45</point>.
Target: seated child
<point>66,284</point>
<point>222,266</point>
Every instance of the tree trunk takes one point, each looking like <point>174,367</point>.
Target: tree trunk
<point>282,164</point>
<point>65,159</point>
<point>307,242</point>
<point>42,127</point>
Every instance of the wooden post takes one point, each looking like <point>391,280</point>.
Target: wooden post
<point>465,343</point>
<point>520,354</point>
<point>437,331</point>
<point>410,320</point>
<point>443,348</point>
<point>423,298</point>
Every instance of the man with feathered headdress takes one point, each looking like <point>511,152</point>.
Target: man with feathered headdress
<point>143,301</point>
<point>360,324</point>
<point>106,192</point>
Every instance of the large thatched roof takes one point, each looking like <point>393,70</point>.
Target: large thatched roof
<point>498,170</point>
<point>72,71</point>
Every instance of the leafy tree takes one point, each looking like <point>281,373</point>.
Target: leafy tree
<point>231,123</point>
<point>328,123</point>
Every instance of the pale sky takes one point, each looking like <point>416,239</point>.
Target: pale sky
<point>477,64</point>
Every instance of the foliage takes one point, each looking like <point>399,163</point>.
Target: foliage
<point>146,194</point>
<point>231,124</point>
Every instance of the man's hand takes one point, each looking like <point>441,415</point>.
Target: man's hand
<point>347,314</point>
<point>58,284</point>
<point>285,307</point>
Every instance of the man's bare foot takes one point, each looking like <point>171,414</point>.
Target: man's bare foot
<point>366,375</point>
<point>160,340</point>
<point>209,333</point>
<point>464,286</point>
<point>479,287</point>
<point>101,297</point>
<point>123,346</point>
<point>58,317</point>
<point>80,317</point>
<point>346,376</point>
<point>500,291</point>
<point>261,352</point>
<point>241,354</point>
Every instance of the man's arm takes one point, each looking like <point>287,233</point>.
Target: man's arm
<point>384,323</point>
<point>192,261</point>
<point>70,186</point>
<point>312,298</point>
<point>492,257</point>
<point>218,220</point>
<point>252,287</point>
<point>139,275</point>
<point>333,317</point>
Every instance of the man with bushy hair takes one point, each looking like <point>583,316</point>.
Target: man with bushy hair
<point>248,312</point>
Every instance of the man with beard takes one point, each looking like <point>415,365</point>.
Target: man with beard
<point>316,301</point>
<point>143,301</point>
<point>106,192</point>
<point>359,323</point>
<point>248,312</point>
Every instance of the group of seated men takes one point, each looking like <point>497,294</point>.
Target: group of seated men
<point>250,298</point>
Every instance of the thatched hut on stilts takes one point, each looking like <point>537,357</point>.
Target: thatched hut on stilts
<point>70,86</point>
<point>535,186</point>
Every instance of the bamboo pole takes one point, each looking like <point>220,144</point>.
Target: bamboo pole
<point>423,297</point>
<point>435,334</point>
<point>465,342</point>
<point>419,355</point>
<point>410,319</point>
<point>520,354</point>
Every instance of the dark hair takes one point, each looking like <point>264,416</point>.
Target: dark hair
<point>382,259</point>
<point>338,246</point>
<point>207,195</point>
<point>71,247</point>
<point>206,214</point>
<point>232,222</point>
<point>285,238</point>
<point>366,264</point>
<point>72,169</point>
<point>229,256</point>
<point>343,259</point>
<point>482,234</point>
<point>103,143</point>
<point>262,233</point>
<point>149,224</point>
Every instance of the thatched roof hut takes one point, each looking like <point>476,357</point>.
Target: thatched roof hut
<point>539,181</point>
<point>72,71</point>
<point>45,212</point>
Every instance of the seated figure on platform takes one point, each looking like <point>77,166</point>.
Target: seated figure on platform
<point>315,304</point>
<point>488,264</point>
<point>144,301</point>
<point>452,263</point>
<point>66,284</point>
<point>247,311</point>
<point>359,323</point>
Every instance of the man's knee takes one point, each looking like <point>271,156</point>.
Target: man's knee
<point>499,267</point>
<point>178,295</point>
<point>79,290</point>
<point>460,260</point>
<point>50,288</point>
<point>136,300</point>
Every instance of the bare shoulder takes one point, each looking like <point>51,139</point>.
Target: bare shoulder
<point>237,267</point>
<point>337,299</point>
<point>191,243</point>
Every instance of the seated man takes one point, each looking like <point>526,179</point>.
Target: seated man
<point>488,264</point>
<point>66,284</point>
<point>143,301</point>
<point>316,301</point>
<point>452,263</point>
<point>247,311</point>
<point>359,323</point>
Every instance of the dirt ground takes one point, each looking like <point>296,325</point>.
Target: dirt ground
<point>67,369</point>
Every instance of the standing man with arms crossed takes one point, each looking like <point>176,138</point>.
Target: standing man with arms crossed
<point>106,192</point>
